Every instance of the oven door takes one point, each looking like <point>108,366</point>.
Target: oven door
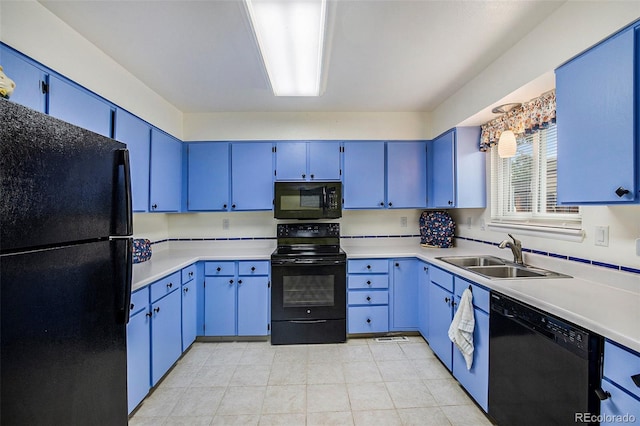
<point>308,289</point>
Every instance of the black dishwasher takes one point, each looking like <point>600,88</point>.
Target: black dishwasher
<point>542,370</point>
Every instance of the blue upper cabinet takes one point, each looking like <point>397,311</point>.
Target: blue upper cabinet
<point>31,81</point>
<point>406,174</point>
<point>324,160</point>
<point>291,161</point>
<point>208,186</point>
<point>596,95</point>
<point>457,170</point>
<point>251,176</point>
<point>75,105</point>
<point>364,175</point>
<point>166,173</point>
<point>136,134</point>
<point>316,160</point>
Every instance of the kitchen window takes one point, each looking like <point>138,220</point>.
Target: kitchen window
<point>524,187</point>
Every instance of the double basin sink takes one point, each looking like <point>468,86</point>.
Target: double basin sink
<point>496,268</point>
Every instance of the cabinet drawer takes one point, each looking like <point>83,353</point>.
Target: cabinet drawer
<point>139,300</point>
<point>252,267</point>
<point>443,278</point>
<point>188,273</point>
<point>619,365</point>
<point>219,268</point>
<point>368,319</point>
<point>368,281</point>
<point>364,266</point>
<point>165,286</point>
<point>619,405</point>
<point>373,297</point>
<point>480,295</point>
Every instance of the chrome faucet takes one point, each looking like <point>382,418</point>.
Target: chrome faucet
<point>516,249</point>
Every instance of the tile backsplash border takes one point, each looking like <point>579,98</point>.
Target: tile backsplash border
<point>348,237</point>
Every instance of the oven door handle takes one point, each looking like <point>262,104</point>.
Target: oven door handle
<point>308,321</point>
<point>294,262</point>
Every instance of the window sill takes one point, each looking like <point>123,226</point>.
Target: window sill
<point>565,234</point>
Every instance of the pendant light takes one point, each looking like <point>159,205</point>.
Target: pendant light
<point>507,146</point>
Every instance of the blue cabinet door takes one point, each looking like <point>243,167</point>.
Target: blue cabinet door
<point>404,292</point>
<point>136,134</point>
<point>253,306</point>
<point>476,380</point>
<point>166,334</point>
<point>423,299</point>
<point>220,306</point>
<point>28,77</point>
<point>324,160</point>
<point>406,174</point>
<point>595,112</point>
<point>189,314</point>
<point>442,171</point>
<point>364,175</point>
<point>166,173</point>
<point>440,315</point>
<point>138,361</point>
<point>251,176</point>
<point>291,161</point>
<point>75,105</point>
<point>208,176</point>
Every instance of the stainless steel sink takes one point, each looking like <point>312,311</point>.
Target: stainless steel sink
<point>468,261</point>
<point>496,268</point>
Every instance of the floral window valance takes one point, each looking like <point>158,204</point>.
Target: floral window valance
<point>530,117</point>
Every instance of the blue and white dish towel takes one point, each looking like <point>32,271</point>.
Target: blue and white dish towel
<point>461,329</point>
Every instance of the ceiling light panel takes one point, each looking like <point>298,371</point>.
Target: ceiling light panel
<point>290,35</point>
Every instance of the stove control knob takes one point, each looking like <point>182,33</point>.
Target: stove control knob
<point>308,311</point>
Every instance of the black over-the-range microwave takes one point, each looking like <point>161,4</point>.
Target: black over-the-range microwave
<point>308,200</point>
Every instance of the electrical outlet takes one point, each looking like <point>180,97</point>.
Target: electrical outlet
<point>638,247</point>
<point>403,222</point>
<point>225,223</point>
<point>482,225</point>
<point>469,222</point>
<point>602,236</point>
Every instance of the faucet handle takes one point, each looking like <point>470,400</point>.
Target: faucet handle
<point>515,241</point>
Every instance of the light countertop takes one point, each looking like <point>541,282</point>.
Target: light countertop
<point>598,299</point>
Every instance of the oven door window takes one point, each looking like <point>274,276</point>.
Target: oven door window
<point>308,290</point>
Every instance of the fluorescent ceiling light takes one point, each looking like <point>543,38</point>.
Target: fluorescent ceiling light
<point>290,35</point>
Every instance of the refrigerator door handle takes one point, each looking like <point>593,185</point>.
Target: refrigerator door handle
<point>122,250</point>
<point>123,208</point>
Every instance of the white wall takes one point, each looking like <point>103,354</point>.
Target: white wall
<point>306,125</point>
<point>30,28</point>
<point>572,28</point>
<point>262,224</point>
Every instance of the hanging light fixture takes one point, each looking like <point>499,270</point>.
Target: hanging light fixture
<point>507,146</point>
<point>290,35</point>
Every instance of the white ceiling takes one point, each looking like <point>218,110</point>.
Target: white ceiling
<point>393,55</point>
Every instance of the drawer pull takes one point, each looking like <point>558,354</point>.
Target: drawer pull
<point>368,282</point>
<point>636,379</point>
<point>131,307</point>
<point>368,299</point>
<point>156,310</point>
<point>218,269</point>
<point>368,266</point>
<point>602,394</point>
<point>186,290</point>
<point>169,285</point>
<point>368,320</point>
<point>148,314</point>
<point>230,282</point>
<point>190,274</point>
<point>253,268</point>
<point>239,282</point>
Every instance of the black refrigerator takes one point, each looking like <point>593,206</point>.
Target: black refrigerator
<point>65,263</point>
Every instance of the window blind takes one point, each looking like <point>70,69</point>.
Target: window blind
<point>524,187</point>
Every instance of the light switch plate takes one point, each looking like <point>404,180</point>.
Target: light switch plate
<point>602,236</point>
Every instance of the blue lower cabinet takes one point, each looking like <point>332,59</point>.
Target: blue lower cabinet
<point>368,319</point>
<point>476,380</point>
<point>403,309</point>
<point>138,349</point>
<point>440,315</point>
<point>423,299</point>
<point>189,314</point>
<point>166,334</point>
<point>236,304</point>
<point>619,407</point>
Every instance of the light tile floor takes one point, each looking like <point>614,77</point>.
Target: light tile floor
<point>361,382</point>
